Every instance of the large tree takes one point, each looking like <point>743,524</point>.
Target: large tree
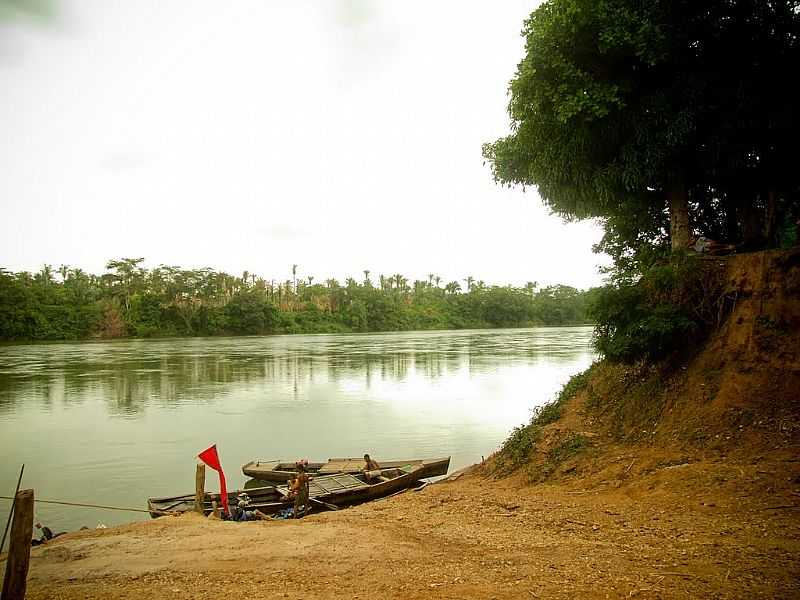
<point>630,110</point>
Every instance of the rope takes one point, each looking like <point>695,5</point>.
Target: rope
<point>163,512</point>
<point>13,506</point>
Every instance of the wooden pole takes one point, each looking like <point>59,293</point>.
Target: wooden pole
<point>19,550</point>
<point>199,488</point>
<point>11,512</point>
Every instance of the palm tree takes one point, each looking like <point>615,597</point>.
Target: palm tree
<point>437,279</point>
<point>453,287</point>
<point>367,282</point>
<point>469,281</point>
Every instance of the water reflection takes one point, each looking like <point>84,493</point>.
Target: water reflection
<point>114,422</point>
<point>130,375</point>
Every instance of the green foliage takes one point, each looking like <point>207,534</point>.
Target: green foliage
<point>130,300</point>
<point>670,308</point>
<point>247,313</point>
<point>518,447</point>
<point>551,411</point>
<point>619,105</point>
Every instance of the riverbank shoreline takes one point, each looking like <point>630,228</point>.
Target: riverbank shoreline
<point>281,334</point>
<point>663,534</point>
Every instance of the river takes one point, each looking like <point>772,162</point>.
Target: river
<point>115,422</point>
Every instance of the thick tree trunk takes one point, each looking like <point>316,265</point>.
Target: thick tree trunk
<point>771,220</point>
<point>752,225</point>
<point>678,216</point>
<point>731,224</point>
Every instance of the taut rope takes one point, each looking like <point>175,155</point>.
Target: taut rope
<point>163,512</point>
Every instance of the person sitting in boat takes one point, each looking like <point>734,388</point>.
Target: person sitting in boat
<point>370,466</point>
<point>298,489</point>
<point>240,512</point>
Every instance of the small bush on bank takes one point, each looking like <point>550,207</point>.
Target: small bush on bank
<point>519,446</point>
<point>671,307</point>
<point>551,412</point>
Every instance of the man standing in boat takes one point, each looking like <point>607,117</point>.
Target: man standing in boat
<point>369,467</point>
<point>299,489</point>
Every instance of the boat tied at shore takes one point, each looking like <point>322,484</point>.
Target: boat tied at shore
<point>279,471</point>
<point>337,489</point>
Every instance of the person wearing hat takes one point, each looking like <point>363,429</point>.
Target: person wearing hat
<point>242,514</point>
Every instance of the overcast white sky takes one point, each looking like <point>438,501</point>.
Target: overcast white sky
<point>339,135</point>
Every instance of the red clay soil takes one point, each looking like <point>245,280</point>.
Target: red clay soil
<point>660,537</point>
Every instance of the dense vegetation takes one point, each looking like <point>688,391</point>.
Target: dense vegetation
<point>129,300</point>
<point>667,120</point>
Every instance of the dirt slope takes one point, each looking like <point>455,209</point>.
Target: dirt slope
<point>472,538</point>
<point>737,398</point>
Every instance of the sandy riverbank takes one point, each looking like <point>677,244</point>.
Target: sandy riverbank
<point>472,538</point>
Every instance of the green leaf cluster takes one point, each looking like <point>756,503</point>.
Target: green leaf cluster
<point>669,310</point>
<point>620,105</point>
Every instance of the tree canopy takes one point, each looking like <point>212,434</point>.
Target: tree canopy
<point>665,118</point>
<point>131,300</point>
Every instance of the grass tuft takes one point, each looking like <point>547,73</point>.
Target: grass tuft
<point>518,447</point>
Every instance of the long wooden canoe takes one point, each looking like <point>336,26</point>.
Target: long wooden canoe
<point>339,489</point>
<point>280,471</point>
<point>266,499</point>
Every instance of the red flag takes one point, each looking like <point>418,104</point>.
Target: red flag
<point>211,458</point>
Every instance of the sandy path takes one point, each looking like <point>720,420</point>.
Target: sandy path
<point>472,538</point>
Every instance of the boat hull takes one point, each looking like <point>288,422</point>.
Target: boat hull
<point>339,489</point>
<point>279,472</point>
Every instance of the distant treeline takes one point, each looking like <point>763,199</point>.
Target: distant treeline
<point>131,301</point>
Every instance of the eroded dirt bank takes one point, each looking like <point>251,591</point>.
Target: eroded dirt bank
<point>472,538</point>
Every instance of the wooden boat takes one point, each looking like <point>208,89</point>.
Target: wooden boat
<point>338,489</point>
<point>346,489</point>
<point>266,499</point>
<point>279,472</point>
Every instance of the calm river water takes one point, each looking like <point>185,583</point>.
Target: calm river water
<point>116,422</point>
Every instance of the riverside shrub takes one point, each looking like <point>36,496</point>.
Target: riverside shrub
<point>672,307</point>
